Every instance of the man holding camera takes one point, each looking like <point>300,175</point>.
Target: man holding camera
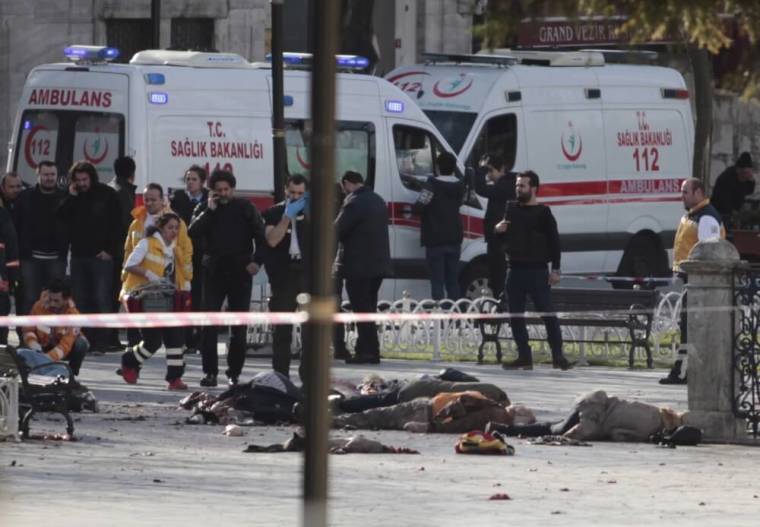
<point>492,181</point>
<point>227,226</point>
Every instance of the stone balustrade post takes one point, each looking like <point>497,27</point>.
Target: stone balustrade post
<point>710,269</point>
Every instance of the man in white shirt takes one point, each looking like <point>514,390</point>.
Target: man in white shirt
<point>286,236</point>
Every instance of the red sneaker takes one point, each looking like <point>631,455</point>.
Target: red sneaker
<point>130,375</point>
<point>177,385</point>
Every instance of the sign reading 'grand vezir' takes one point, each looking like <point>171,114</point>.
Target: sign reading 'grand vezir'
<point>553,32</point>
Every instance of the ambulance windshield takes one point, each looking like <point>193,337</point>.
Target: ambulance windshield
<point>454,126</point>
<point>65,137</point>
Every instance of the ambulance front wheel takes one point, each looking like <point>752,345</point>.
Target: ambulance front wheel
<point>644,258</point>
<point>474,281</point>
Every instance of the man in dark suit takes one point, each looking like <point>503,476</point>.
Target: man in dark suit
<point>363,259</point>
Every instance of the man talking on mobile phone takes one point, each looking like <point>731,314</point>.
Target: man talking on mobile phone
<point>532,241</point>
<point>227,228</point>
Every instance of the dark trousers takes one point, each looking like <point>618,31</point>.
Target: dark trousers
<point>77,354</point>
<point>111,335</point>
<point>684,312</point>
<point>543,429</point>
<point>5,310</point>
<point>534,282</point>
<point>359,403</point>
<point>362,293</point>
<point>236,288</point>
<point>286,285</point>
<point>193,333</point>
<point>91,283</point>
<point>36,275</point>
<point>443,262</point>
<point>339,331</point>
<point>497,267</point>
<point>152,338</point>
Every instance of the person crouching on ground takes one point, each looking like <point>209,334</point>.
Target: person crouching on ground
<point>157,258</point>
<point>59,343</point>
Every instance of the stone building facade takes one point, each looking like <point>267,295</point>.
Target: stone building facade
<point>34,32</point>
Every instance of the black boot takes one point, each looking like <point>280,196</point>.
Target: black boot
<point>675,376</point>
<point>521,363</point>
<point>502,428</point>
<point>677,373</point>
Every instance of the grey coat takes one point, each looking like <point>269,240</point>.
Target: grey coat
<point>610,418</point>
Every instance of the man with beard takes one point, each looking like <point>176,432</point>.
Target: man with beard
<point>227,227</point>
<point>532,241</point>
<point>92,215</point>
<point>43,241</point>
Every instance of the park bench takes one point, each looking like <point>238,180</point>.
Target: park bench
<point>607,308</point>
<point>38,393</point>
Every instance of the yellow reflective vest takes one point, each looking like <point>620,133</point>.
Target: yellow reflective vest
<point>687,234</point>
<point>155,261</point>
<point>136,233</point>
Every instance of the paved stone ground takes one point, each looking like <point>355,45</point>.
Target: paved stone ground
<point>137,463</point>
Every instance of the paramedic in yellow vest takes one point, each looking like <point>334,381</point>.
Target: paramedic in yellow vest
<point>157,257</point>
<point>701,222</point>
<point>143,217</point>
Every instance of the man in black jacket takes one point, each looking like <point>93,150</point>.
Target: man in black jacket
<point>124,169</point>
<point>9,264</point>
<point>92,215</point>
<point>493,182</point>
<point>363,259</point>
<point>732,186</point>
<point>185,202</point>
<point>227,227</point>
<point>532,243</point>
<point>286,235</point>
<point>441,232</point>
<point>43,240</point>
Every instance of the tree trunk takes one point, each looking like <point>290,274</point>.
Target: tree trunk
<point>701,66</point>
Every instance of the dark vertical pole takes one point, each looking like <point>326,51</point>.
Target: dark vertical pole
<point>322,303</point>
<point>278,101</point>
<point>155,17</point>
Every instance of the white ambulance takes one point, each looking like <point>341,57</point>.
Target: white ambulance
<point>610,142</point>
<point>169,110</point>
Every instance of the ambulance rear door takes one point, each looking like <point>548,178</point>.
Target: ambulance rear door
<point>218,119</point>
<point>71,114</point>
<point>565,139</point>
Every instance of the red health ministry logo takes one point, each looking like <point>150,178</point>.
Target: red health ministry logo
<point>571,142</point>
<point>446,88</point>
<point>301,161</point>
<point>97,151</point>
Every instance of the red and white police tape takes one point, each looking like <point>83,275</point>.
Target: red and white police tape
<point>156,320</point>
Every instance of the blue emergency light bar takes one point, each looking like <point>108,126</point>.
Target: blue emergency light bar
<point>346,62</point>
<point>155,78</point>
<point>90,53</point>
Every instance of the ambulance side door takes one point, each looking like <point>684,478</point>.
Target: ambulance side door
<point>415,149</point>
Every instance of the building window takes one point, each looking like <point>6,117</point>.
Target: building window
<point>129,35</point>
<point>195,34</point>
